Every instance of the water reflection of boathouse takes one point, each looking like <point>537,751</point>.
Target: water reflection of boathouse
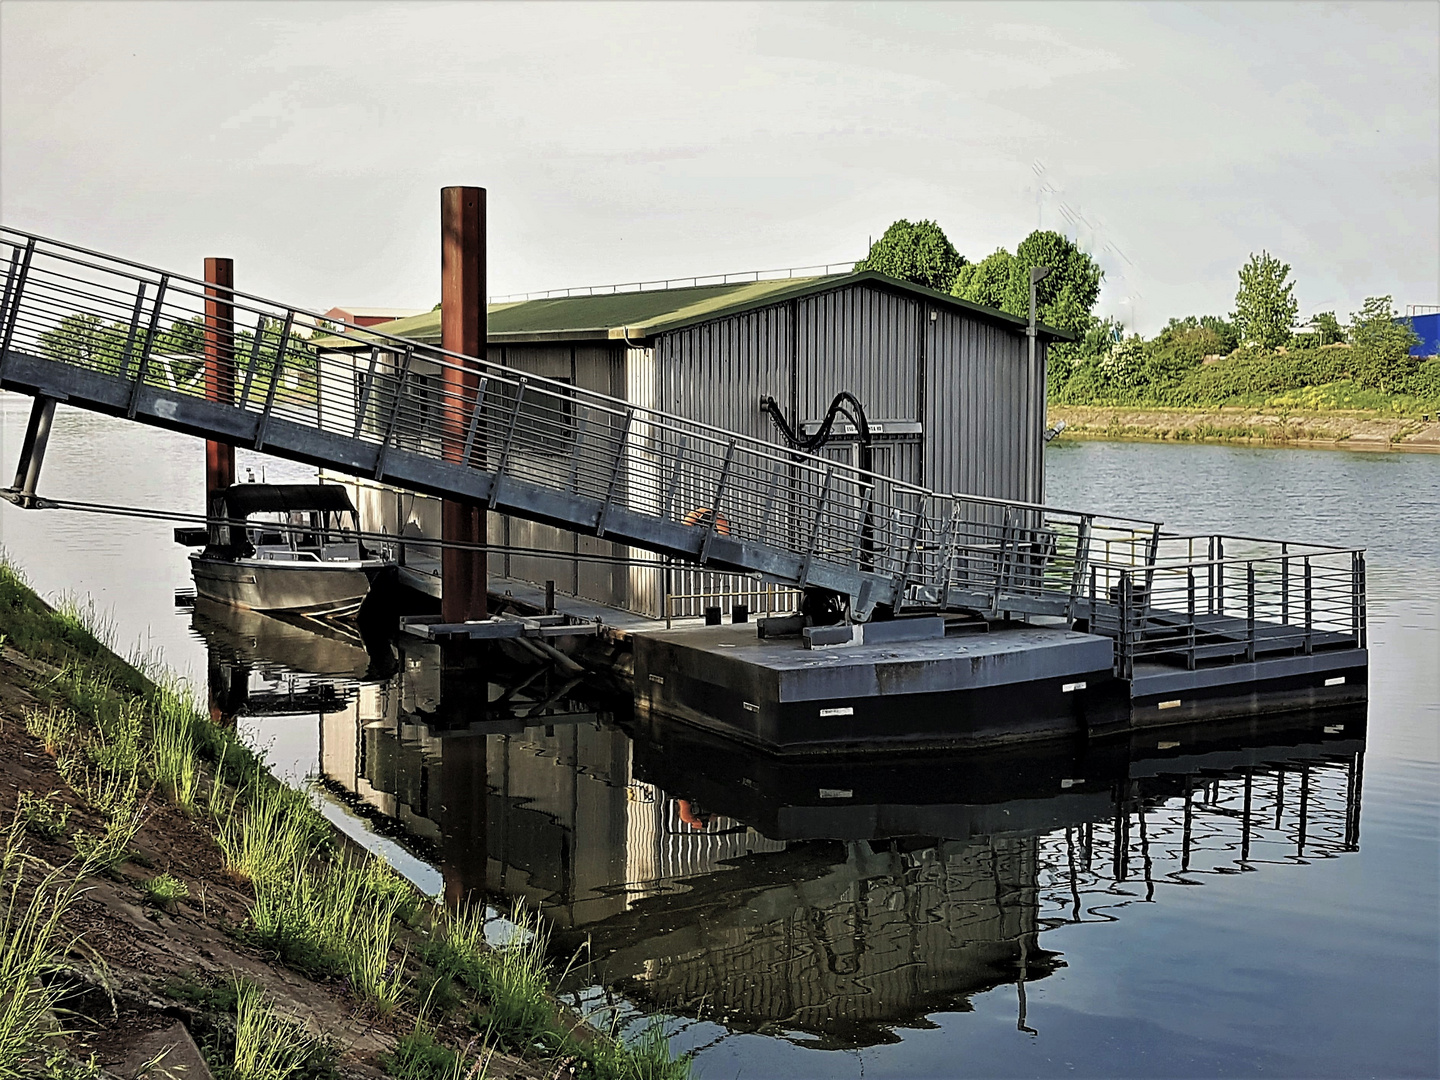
<point>830,901</point>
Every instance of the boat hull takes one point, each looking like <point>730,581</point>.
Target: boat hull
<point>266,585</point>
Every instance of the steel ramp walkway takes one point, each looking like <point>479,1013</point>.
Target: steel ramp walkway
<point>112,336</point>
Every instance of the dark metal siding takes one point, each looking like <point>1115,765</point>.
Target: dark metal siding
<point>862,340</point>
<point>984,409</point>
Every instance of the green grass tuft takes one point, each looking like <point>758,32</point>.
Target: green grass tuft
<point>165,889</point>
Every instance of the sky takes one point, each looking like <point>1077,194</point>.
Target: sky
<point>625,142</point>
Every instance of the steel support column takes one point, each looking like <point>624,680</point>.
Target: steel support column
<point>219,368</point>
<point>462,330</point>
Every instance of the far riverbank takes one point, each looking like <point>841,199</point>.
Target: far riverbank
<point>1337,429</point>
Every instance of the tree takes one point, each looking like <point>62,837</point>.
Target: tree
<point>985,282</point>
<point>1381,345</point>
<point>1265,304</point>
<point>1064,299</point>
<point>1326,328</point>
<point>919,253</point>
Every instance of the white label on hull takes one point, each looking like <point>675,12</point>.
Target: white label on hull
<point>843,711</point>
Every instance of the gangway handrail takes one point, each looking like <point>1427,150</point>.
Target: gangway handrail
<point>355,334</point>
<point>423,417</point>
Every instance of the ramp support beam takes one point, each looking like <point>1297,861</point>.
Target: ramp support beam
<point>32,451</point>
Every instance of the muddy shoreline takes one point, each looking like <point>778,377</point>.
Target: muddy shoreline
<point>1336,430</point>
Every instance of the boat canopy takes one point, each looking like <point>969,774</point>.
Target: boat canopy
<point>242,500</point>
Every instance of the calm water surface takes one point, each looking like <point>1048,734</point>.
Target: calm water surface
<point>1071,911</point>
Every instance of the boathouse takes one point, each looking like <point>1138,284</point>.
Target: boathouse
<point>953,400</point>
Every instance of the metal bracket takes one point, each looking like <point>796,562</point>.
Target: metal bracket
<point>509,441</point>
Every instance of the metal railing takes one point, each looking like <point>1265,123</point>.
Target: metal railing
<point>79,324</point>
<point>735,277</point>
<point>1267,598</point>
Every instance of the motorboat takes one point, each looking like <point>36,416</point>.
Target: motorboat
<point>284,548</point>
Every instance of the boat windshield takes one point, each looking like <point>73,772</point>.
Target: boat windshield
<point>319,535</point>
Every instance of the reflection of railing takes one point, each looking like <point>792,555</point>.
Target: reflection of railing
<point>91,328</point>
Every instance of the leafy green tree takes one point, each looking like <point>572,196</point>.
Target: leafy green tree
<point>985,282</point>
<point>1065,299</point>
<point>918,252</point>
<point>1381,344</point>
<point>1326,329</point>
<point>1265,304</point>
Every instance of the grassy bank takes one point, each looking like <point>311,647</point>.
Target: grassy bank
<point>153,871</point>
<point>1274,424</point>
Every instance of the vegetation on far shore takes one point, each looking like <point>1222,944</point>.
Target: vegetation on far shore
<point>1259,356</point>
<point>125,740</point>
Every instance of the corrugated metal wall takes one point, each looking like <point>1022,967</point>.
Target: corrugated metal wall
<point>966,381</point>
<point>863,340</point>
<point>598,367</point>
<point>984,410</point>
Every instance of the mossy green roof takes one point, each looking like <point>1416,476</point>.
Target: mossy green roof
<point>640,315</point>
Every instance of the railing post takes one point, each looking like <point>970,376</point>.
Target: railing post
<point>1309,612</point>
<point>1123,640</point>
<point>474,425</point>
<point>668,510</point>
<point>1082,558</point>
<point>255,344</point>
<point>715,503</point>
<point>401,377</point>
<point>145,347</point>
<point>581,426</point>
<point>1190,622</point>
<point>815,529</point>
<point>134,328</point>
<point>1364,617</point>
<point>1094,617</point>
<point>1220,574</point>
<point>363,404</point>
<point>1285,585</point>
<point>504,461</point>
<point>1250,612</point>
<point>614,473</point>
<point>947,551</point>
<point>14,292</point>
<point>904,574</point>
<point>262,429</point>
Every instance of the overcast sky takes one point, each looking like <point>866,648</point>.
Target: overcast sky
<point>629,141</point>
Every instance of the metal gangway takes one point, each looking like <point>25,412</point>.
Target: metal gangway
<point>105,334</point>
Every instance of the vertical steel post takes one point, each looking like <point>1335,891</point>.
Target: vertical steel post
<point>464,583</point>
<point>1285,585</point>
<point>1250,612</point>
<point>130,333</point>
<point>263,427</point>
<point>219,368</point>
<point>1309,614</point>
<point>146,346</point>
<point>504,461</point>
<point>1360,601</point>
<point>1190,620</point>
<point>714,523</point>
<point>10,310</point>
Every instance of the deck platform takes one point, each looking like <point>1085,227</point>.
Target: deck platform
<point>1005,684</point>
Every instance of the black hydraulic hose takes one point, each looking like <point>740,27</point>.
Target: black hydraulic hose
<point>848,404</point>
<point>855,412</point>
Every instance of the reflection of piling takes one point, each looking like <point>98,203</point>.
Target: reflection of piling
<point>463,795</point>
<point>229,684</point>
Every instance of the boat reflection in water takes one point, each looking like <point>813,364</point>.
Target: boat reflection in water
<point>827,902</point>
